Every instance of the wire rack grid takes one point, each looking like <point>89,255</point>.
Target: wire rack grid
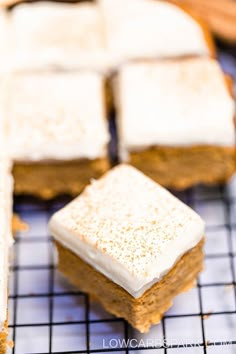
<point>47,315</point>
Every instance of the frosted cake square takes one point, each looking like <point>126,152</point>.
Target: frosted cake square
<point>57,131</point>
<point>139,244</point>
<point>176,121</point>
<point>142,29</point>
<point>57,35</point>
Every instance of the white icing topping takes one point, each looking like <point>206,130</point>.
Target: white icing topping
<point>59,116</point>
<point>4,42</point>
<point>61,35</point>
<point>151,28</point>
<point>6,186</point>
<point>174,103</point>
<point>3,120</point>
<point>128,227</point>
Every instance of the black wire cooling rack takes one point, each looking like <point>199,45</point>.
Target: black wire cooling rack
<point>49,316</point>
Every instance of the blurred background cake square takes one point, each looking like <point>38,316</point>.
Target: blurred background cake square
<point>176,121</point>
<point>141,29</point>
<point>57,35</point>
<point>130,244</point>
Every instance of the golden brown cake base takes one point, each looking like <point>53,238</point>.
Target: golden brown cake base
<point>4,343</point>
<point>50,179</point>
<point>141,313</point>
<point>183,167</point>
<point>18,224</point>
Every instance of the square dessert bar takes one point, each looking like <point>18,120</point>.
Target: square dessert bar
<point>57,131</point>
<point>6,186</point>
<point>141,29</point>
<point>176,121</point>
<point>139,244</point>
<point>57,35</point>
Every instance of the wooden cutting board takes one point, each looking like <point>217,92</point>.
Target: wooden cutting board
<point>219,15</point>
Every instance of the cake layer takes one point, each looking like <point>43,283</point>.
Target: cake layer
<point>51,179</point>
<point>139,29</point>
<point>128,228</point>
<point>60,117</point>
<point>182,167</point>
<point>148,309</point>
<point>173,103</point>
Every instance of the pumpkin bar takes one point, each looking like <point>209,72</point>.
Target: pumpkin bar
<point>57,132</point>
<point>139,244</point>
<point>176,121</point>
<point>142,29</point>
<point>57,35</point>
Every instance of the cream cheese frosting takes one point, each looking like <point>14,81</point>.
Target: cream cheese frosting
<point>4,41</point>
<point>151,29</point>
<point>128,227</point>
<point>6,186</point>
<point>175,103</point>
<point>58,116</point>
<point>48,34</point>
